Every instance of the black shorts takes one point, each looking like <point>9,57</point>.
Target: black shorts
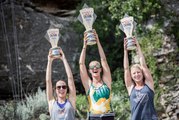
<point>106,116</point>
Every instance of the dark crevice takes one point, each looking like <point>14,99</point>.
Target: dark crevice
<point>61,8</point>
<point>59,4</point>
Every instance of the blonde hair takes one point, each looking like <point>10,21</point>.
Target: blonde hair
<point>136,66</point>
<point>94,61</point>
<point>139,67</point>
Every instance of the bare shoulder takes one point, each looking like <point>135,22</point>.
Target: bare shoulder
<point>50,104</point>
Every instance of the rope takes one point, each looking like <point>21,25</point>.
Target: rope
<point>15,79</point>
<point>18,65</point>
<point>8,51</point>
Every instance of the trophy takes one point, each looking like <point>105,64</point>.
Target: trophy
<point>53,36</point>
<point>127,26</point>
<point>87,18</point>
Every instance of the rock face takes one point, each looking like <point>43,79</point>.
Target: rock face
<point>24,48</point>
<point>168,62</point>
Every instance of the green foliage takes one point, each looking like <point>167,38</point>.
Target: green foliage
<point>33,106</point>
<point>175,32</point>
<point>118,81</point>
<point>120,98</point>
<point>81,106</point>
<point>140,10</point>
<point>151,39</point>
<point>120,105</point>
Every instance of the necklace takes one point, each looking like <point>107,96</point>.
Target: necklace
<point>61,105</point>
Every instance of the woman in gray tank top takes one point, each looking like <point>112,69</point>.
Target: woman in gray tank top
<point>60,107</point>
<point>140,86</point>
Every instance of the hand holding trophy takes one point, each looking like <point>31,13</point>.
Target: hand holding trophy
<point>127,26</point>
<point>53,36</point>
<point>87,18</point>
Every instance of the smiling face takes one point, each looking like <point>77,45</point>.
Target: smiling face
<point>95,68</point>
<point>137,74</point>
<point>61,89</point>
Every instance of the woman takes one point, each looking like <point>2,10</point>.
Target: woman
<point>97,88</point>
<point>60,107</point>
<point>140,86</point>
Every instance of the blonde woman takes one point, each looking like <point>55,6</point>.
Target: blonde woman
<point>140,86</point>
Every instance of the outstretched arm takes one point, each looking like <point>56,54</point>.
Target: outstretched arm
<point>146,71</point>
<point>83,71</point>
<point>71,84</point>
<point>106,70</point>
<point>127,75</point>
<point>49,89</point>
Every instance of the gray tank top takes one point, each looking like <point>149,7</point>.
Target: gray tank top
<point>65,113</point>
<point>142,105</point>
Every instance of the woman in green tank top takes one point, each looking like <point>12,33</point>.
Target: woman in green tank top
<point>98,89</point>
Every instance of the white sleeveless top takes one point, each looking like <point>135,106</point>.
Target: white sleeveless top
<point>65,113</point>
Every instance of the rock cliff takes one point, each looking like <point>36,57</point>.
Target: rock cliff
<point>24,48</point>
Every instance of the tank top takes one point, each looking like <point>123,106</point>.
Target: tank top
<point>65,113</point>
<point>99,99</point>
<point>142,104</point>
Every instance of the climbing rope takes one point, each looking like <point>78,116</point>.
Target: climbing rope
<point>15,79</point>
<point>8,50</point>
<point>18,65</point>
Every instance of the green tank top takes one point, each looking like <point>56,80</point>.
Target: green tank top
<point>99,99</point>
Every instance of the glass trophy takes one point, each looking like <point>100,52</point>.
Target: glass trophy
<point>53,36</point>
<point>127,26</point>
<point>87,18</point>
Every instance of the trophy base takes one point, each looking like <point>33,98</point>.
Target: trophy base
<point>130,44</point>
<point>131,47</point>
<point>91,42</point>
<point>91,39</point>
<point>55,51</point>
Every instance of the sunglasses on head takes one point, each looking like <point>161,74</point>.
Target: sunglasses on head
<point>97,66</point>
<point>63,87</point>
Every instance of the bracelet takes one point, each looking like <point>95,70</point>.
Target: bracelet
<point>84,48</point>
<point>81,63</point>
<point>126,68</point>
<point>103,59</point>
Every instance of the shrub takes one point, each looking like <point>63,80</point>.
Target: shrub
<point>33,106</point>
<point>7,111</point>
<point>81,106</point>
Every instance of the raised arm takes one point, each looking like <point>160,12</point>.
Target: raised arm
<point>49,89</point>
<point>71,84</point>
<point>146,71</point>
<point>106,70</point>
<point>127,75</point>
<point>83,71</point>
